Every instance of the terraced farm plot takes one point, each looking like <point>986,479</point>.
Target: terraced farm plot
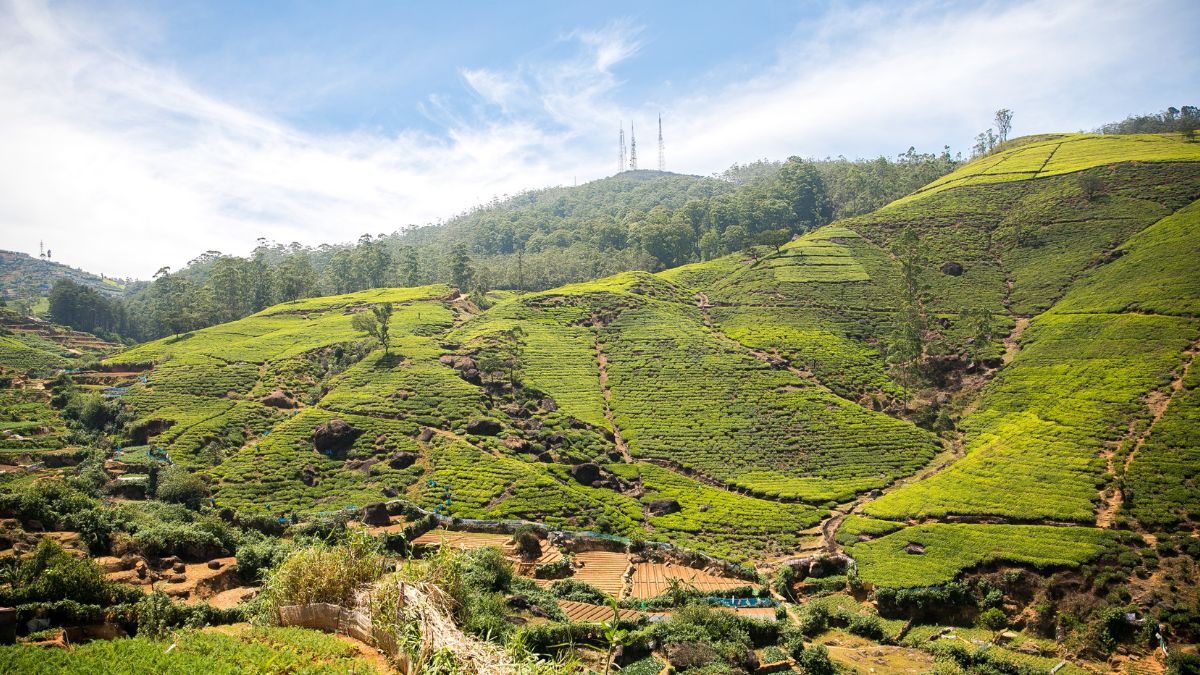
<point>832,267</point>
<point>603,570</point>
<point>588,613</point>
<point>928,555</point>
<point>1053,154</point>
<point>814,341</point>
<point>653,579</point>
<point>284,471</point>
<point>26,353</point>
<point>682,394</point>
<point>1162,483</point>
<point>1033,446</point>
<point>488,486</point>
<point>411,385</point>
<point>719,522</point>
<point>1155,274</point>
<point>1040,235</point>
<point>470,540</point>
<point>463,540</point>
<point>558,353</point>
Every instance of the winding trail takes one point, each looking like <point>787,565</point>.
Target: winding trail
<point>602,362</point>
<point>1157,402</point>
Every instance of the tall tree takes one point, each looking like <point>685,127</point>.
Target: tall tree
<point>1003,123</point>
<point>410,266</point>
<point>376,322</point>
<point>462,273</point>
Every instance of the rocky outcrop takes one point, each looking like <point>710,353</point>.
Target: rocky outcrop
<point>483,427</point>
<point>278,399</point>
<point>951,269</point>
<point>376,514</point>
<point>663,507</point>
<point>336,436</point>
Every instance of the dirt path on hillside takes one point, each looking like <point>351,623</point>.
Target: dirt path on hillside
<point>1012,343</point>
<point>774,360</point>
<point>1157,402</point>
<point>952,451</point>
<point>602,362</point>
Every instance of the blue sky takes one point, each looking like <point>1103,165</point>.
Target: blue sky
<point>140,134</point>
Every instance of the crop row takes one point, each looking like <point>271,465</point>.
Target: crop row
<point>716,521</point>
<point>1033,445</point>
<point>928,555</point>
<point>1162,485</point>
<point>481,485</point>
<point>680,393</point>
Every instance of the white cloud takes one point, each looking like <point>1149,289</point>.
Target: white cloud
<point>122,165</point>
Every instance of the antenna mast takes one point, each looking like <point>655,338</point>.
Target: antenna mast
<point>662,158</point>
<point>632,149</point>
<point>621,161</point>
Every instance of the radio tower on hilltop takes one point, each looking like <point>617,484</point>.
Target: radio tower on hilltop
<point>621,160</point>
<point>632,149</point>
<point>662,158</point>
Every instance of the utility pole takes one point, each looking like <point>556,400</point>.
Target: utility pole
<point>622,160</point>
<point>632,148</point>
<point>662,158</point>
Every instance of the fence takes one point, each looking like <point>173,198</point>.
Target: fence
<point>337,619</point>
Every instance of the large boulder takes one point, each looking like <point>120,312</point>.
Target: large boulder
<point>483,427</point>
<point>376,514</point>
<point>663,507</point>
<point>586,473</point>
<point>952,269</point>
<point>278,399</point>
<point>336,435</point>
<point>402,460</point>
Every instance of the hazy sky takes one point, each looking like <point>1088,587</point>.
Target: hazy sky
<point>136,135</point>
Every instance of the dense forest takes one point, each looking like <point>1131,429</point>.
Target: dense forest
<point>636,220</point>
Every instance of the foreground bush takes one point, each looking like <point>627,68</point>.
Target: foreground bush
<point>323,574</point>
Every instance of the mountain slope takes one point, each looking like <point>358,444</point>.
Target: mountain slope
<point>752,389</point>
<point>24,276</point>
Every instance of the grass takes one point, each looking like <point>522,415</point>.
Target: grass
<point>257,650</point>
<point>950,549</point>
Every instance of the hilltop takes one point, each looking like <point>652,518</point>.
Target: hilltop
<point>934,406</point>
<point>24,276</point>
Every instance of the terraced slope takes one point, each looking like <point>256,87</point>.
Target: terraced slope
<point>681,393</point>
<point>730,405</point>
<point>1082,380</point>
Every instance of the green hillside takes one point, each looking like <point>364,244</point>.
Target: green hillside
<point>975,407</point>
<point>764,372</point>
<point>23,276</point>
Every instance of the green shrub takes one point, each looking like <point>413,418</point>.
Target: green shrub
<point>51,574</point>
<point>254,558</point>
<point>179,486</point>
<point>866,625</point>
<point>323,574</point>
<point>815,660</point>
<point>528,544</point>
<point>48,501</point>
<point>579,591</point>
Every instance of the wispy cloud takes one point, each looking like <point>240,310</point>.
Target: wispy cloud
<point>122,165</point>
